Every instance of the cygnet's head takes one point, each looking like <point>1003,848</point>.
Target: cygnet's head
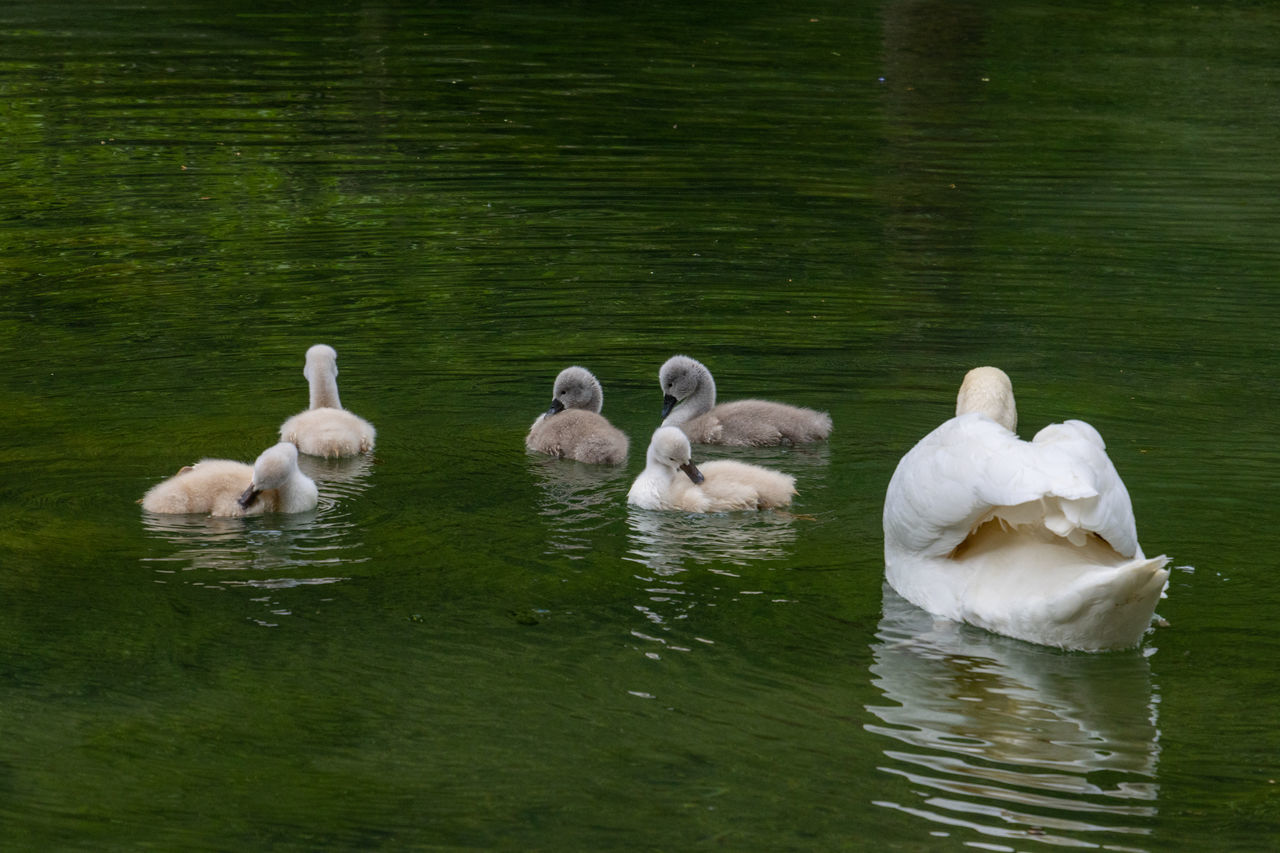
<point>670,448</point>
<point>272,469</point>
<point>988,391</point>
<point>322,359</point>
<point>576,388</point>
<point>679,377</point>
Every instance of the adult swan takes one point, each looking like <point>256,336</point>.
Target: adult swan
<point>1030,539</point>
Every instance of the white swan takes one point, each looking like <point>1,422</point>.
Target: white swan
<point>573,427</point>
<point>326,429</point>
<point>671,481</point>
<point>273,483</point>
<point>689,402</point>
<point>1034,540</point>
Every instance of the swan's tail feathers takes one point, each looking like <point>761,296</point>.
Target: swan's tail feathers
<point>1149,577</point>
<point>1116,610</point>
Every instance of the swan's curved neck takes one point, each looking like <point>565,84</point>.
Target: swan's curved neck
<point>324,391</point>
<point>700,401</point>
<point>988,391</point>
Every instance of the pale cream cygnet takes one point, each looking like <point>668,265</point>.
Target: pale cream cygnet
<point>225,487</point>
<point>1030,539</point>
<point>671,481</point>
<point>573,427</point>
<point>689,402</point>
<point>326,429</point>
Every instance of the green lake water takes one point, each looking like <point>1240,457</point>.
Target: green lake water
<point>840,205</point>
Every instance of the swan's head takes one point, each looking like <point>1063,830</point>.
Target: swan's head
<point>272,469</point>
<point>988,391</point>
<point>679,377</point>
<point>576,388</point>
<point>670,449</point>
<point>322,360</point>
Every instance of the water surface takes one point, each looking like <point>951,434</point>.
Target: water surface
<point>465,646</point>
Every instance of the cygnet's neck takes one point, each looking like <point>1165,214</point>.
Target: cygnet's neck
<point>324,390</point>
<point>700,401</point>
<point>595,399</point>
<point>297,492</point>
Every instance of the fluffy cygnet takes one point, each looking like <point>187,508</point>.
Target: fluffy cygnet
<point>226,487</point>
<point>689,402</point>
<point>573,427</point>
<point>671,481</point>
<point>326,429</point>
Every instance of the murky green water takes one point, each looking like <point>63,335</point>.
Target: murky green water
<point>843,206</point>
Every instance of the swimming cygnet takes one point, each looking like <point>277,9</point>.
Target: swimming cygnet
<point>689,402</point>
<point>326,429</point>
<point>573,427</point>
<point>226,487</point>
<point>671,481</point>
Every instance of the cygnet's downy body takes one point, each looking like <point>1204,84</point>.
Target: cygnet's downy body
<point>573,427</point>
<point>689,402</point>
<point>225,487</point>
<point>671,481</point>
<point>326,429</point>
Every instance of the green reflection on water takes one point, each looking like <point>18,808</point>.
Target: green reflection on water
<point>466,646</point>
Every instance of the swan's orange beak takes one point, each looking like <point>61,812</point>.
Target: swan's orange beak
<point>250,495</point>
<point>694,474</point>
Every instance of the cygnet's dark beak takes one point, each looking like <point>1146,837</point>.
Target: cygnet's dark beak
<point>556,406</point>
<point>668,403</point>
<point>694,474</point>
<point>250,495</point>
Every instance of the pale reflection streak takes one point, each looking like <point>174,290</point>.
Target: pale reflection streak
<point>274,553</point>
<point>1015,741</point>
<point>669,543</point>
<point>666,542</point>
<point>575,500</point>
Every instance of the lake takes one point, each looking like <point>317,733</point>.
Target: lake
<point>466,646</point>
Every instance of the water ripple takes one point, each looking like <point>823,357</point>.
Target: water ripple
<point>1014,741</point>
<point>666,542</point>
<point>576,500</point>
<point>277,552</point>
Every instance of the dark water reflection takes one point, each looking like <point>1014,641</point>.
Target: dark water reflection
<point>844,207</point>
<point>1014,741</point>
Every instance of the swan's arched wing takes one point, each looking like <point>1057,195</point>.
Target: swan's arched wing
<point>971,469</point>
<point>949,481</point>
<point>1092,497</point>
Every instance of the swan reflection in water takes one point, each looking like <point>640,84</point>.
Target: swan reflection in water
<point>271,552</point>
<point>666,542</point>
<point>576,499</point>
<point>1012,740</point>
<point>339,479</point>
<point>669,544</point>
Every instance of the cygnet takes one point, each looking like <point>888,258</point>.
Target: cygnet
<point>670,480</point>
<point>326,429</point>
<point>689,402</point>
<point>229,488</point>
<point>573,427</point>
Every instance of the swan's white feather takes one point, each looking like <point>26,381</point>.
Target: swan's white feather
<point>1032,539</point>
